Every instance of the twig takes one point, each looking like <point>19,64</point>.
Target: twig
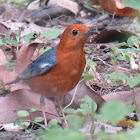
<point>73,95</point>
<point>104,62</point>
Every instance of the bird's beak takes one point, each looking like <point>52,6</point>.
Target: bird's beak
<point>90,32</point>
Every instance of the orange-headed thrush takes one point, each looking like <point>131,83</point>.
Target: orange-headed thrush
<point>58,70</point>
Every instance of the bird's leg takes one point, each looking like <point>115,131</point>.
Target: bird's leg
<point>59,100</point>
<point>42,105</point>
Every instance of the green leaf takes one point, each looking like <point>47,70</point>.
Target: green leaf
<point>133,81</point>
<point>117,76</point>
<point>38,119</point>
<point>2,0</point>
<point>18,35</point>
<point>32,110</point>
<point>119,50</point>
<point>50,34</point>
<point>28,37</point>
<point>131,3</point>
<point>28,131</point>
<point>70,111</point>
<point>88,105</point>
<point>87,76</point>
<point>113,48</point>
<point>23,113</point>
<point>116,82</point>
<point>120,44</point>
<point>59,134</point>
<point>87,50</point>
<point>90,63</point>
<point>126,56</point>
<point>53,123</point>
<point>18,1</point>
<point>22,3</point>
<point>121,58</point>
<point>103,135</point>
<point>19,122</point>
<point>18,38</point>
<point>3,40</point>
<point>46,49</point>
<point>130,41</point>
<point>39,132</point>
<point>92,129</point>
<point>75,121</point>
<point>12,42</point>
<point>113,58</point>
<point>114,111</point>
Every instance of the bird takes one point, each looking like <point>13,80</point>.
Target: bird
<point>58,70</point>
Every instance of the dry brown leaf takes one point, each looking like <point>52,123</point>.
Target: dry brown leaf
<point>13,27</point>
<point>44,13</point>
<point>124,96</point>
<point>99,126</point>
<point>118,4</point>
<point>32,28</point>
<point>127,123</point>
<point>6,76</point>
<point>34,5</point>
<point>4,30</point>
<point>2,58</point>
<point>17,15</point>
<point>25,54</point>
<point>70,5</point>
<point>15,127</point>
<point>116,7</point>
<point>24,100</point>
<point>111,35</point>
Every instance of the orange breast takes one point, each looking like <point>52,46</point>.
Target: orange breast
<point>63,77</point>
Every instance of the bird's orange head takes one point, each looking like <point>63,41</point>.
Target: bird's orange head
<point>74,37</point>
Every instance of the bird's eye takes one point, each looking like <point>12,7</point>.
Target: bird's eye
<point>74,32</point>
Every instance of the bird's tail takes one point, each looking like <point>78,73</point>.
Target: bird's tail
<point>14,81</point>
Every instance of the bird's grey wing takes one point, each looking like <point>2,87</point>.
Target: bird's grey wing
<point>41,65</point>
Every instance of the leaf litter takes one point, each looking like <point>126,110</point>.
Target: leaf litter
<point>93,88</point>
